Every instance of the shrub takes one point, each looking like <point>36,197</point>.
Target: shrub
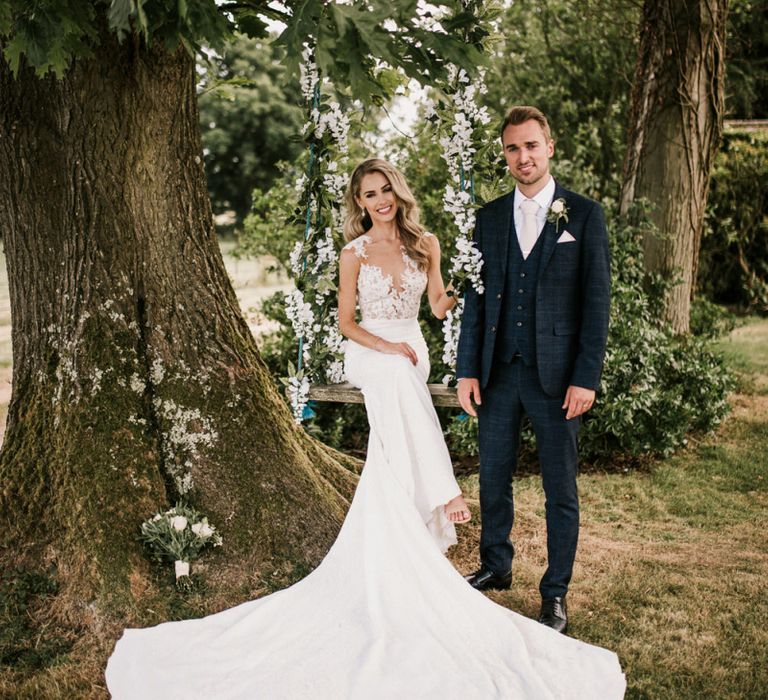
<point>657,387</point>
<point>710,320</point>
<point>733,262</point>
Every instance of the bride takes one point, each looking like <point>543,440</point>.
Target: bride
<point>385,614</point>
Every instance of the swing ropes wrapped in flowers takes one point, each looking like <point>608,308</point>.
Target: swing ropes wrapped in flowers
<point>312,306</point>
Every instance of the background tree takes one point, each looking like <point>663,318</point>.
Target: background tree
<point>746,69</point>
<point>734,255</point>
<point>674,132</point>
<point>582,86</point>
<point>136,379</point>
<point>250,114</point>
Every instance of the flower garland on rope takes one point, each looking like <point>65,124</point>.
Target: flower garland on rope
<point>465,142</point>
<point>312,306</point>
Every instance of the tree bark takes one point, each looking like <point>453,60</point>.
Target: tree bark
<point>136,379</point>
<point>675,129</point>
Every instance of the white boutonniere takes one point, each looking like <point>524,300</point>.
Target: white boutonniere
<point>557,210</point>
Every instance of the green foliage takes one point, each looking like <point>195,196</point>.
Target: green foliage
<point>461,435</point>
<point>378,30</point>
<point>733,262</point>
<point>171,21</point>
<point>24,596</point>
<point>50,33</point>
<point>581,84</point>
<point>657,387</point>
<point>249,117</point>
<point>53,33</point>
<point>710,320</point>
<point>746,82</point>
<point>267,229</point>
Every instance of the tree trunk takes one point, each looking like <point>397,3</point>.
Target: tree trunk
<point>674,133</point>
<point>136,379</point>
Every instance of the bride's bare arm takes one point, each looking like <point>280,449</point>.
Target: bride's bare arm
<point>439,300</point>
<point>349,269</point>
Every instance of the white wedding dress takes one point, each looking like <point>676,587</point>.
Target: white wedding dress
<point>385,615</point>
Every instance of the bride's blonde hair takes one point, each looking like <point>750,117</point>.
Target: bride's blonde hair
<point>357,222</point>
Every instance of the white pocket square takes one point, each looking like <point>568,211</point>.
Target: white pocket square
<point>565,237</point>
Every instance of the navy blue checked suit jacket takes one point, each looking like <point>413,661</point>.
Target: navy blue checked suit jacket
<point>572,295</point>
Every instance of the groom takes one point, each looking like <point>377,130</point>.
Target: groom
<point>533,344</point>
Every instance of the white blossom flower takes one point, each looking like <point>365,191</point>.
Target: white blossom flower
<point>459,147</point>
<point>314,260</point>
<point>296,258</point>
<point>298,395</point>
<point>202,530</point>
<point>300,315</point>
<point>451,328</point>
<point>178,522</point>
<point>308,73</point>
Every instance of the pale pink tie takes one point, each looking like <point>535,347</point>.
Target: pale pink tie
<point>530,227</point>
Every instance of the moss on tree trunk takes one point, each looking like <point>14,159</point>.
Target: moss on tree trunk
<point>135,377</point>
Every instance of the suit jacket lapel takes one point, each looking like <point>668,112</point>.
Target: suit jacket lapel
<point>507,230</point>
<point>550,233</point>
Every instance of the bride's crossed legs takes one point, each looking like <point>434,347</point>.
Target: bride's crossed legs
<point>456,509</point>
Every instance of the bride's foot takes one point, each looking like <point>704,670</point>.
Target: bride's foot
<point>457,510</point>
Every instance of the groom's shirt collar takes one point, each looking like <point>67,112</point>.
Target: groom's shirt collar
<point>543,198</point>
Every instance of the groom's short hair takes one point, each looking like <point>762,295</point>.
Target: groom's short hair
<point>523,113</point>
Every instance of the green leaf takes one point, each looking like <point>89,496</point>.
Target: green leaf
<point>300,26</point>
<point>6,19</point>
<point>142,17</point>
<point>185,43</point>
<point>13,52</point>
<point>251,24</point>
<point>119,17</point>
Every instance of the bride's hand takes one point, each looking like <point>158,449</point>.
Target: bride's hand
<point>397,349</point>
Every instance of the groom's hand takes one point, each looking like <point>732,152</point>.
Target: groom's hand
<point>578,400</point>
<point>469,388</point>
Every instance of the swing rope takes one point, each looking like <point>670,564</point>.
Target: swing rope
<point>308,221</point>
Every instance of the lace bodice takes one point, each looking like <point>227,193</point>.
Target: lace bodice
<point>377,294</point>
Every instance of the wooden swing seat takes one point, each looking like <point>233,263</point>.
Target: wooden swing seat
<point>346,393</point>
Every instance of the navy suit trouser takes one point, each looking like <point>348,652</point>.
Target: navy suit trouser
<point>514,389</point>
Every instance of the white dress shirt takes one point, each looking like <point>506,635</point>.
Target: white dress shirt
<point>543,198</point>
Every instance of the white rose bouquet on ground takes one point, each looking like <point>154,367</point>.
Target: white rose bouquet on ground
<point>179,535</point>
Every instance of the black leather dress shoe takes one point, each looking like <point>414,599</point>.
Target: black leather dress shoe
<point>485,579</point>
<point>554,614</point>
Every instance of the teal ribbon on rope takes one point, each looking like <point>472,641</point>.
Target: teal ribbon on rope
<point>462,183</point>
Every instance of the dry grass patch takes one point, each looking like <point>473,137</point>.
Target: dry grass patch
<point>670,571</point>
<point>672,562</point>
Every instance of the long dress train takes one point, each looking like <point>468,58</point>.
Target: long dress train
<point>385,615</point>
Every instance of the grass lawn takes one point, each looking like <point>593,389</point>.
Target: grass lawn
<point>670,572</point>
<point>672,562</point>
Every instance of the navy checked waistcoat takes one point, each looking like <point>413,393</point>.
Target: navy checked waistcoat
<point>518,318</point>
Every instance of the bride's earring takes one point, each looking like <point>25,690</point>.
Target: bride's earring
<point>366,219</point>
